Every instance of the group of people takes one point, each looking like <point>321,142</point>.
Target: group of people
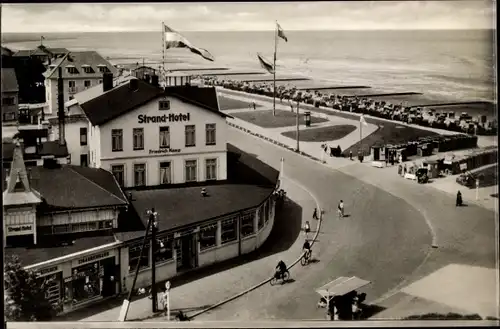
<point>345,307</point>
<point>398,112</point>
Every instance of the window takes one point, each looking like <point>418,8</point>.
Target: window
<point>190,136</point>
<point>119,172</point>
<point>138,139</point>
<point>103,68</point>
<point>228,233</point>
<point>140,174</point>
<point>58,229</point>
<point>72,70</point>
<point>165,173</point>
<point>87,83</point>
<point>211,169</point>
<point>164,137</point>
<point>8,101</point>
<point>83,136</point>
<point>210,133</point>
<point>88,69</point>
<point>247,224</point>
<point>164,105</point>
<point>72,86</point>
<point>117,140</point>
<point>164,248</point>
<point>134,253</point>
<point>84,227</point>
<point>105,224</point>
<point>208,236</point>
<point>100,81</point>
<point>9,116</point>
<point>261,218</point>
<point>191,171</point>
<point>84,161</point>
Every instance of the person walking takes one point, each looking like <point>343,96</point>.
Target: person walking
<point>341,209</point>
<point>315,213</point>
<point>350,155</point>
<point>307,229</point>
<point>459,199</point>
<point>254,106</point>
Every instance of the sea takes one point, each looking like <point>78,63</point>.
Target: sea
<point>446,66</point>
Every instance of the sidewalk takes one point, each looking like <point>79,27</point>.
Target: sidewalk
<point>248,270</point>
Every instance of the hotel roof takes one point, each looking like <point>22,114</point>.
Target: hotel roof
<point>97,90</point>
<point>249,183</point>
<point>9,80</point>
<point>79,59</point>
<point>41,51</point>
<point>122,99</point>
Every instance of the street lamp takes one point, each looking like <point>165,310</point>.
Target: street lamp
<point>154,227</point>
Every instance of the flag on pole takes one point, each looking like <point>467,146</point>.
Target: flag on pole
<point>174,39</point>
<point>265,63</point>
<point>362,120</point>
<point>281,33</point>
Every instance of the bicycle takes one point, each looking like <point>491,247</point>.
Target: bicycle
<point>280,276</point>
<point>306,258</point>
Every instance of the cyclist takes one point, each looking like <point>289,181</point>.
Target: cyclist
<point>307,248</point>
<point>341,209</point>
<point>280,269</point>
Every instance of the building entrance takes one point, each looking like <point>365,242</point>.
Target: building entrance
<point>187,252</point>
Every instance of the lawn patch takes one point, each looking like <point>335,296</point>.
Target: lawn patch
<point>322,134</point>
<point>388,133</point>
<point>226,103</point>
<point>266,119</point>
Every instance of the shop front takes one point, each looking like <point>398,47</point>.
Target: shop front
<point>92,278</point>
<point>52,279</point>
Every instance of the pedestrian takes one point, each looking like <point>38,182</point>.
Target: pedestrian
<point>254,106</point>
<point>307,228</point>
<point>350,155</point>
<point>341,209</point>
<point>405,170</point>
<point>400,170</point>
<point>459,199</point>
<point>315,213</point>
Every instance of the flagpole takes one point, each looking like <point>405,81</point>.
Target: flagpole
<point>274,70</point>
<point>361,134</point>
<point>163,50</point>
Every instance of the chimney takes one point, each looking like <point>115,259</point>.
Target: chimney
<point>133,84</point>
<point>155,81</point>
<point>107,81</point>
<point>60,103</point>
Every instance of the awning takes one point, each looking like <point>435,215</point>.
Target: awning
<point>341,286</point>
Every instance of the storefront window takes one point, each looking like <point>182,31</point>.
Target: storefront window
<point>208,236</point>
<point>261,217</point>
<point>52,284</point>
<point>86,282</point>
<point>164,248</point>
<point>134,253</point>
<point>229,231</point>
<point>247,225</point>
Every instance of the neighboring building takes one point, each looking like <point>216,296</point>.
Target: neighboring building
<point>54,211</point>
<point>42,53</point>
<point>80,70</point>
<point>178,78</point>
<point>10,96</point>
<point>145,73</point>
<point>6,59</point>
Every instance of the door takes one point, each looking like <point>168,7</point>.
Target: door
<point>376,154</point>
<point>84,161</point>
<point>109,277</point>
<point>187,253</point>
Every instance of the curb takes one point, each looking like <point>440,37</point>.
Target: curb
<point>269,279</point>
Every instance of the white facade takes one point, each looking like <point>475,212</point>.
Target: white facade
<point>71,85</point>
<point>151,155</point>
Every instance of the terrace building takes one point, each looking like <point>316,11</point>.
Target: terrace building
<point>10,97</point>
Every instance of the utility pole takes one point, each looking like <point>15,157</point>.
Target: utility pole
<point>154,226</point>
<point>297,122</point>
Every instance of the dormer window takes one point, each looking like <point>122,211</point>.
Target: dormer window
<point>103,68</point>
<point>72,69</point>
<point>88,69</point>
<point>164,105</point>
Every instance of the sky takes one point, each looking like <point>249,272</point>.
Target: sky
<point>252,16</point>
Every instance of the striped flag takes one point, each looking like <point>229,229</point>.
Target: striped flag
<point>174,39</point>
<point>362,120</point>
<point>281,33</point>
<point>265,63</point>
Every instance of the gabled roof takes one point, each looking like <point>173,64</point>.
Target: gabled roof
<point>9,80</point>
<point>121,100</point>
<point>40,51</point>
<point>75,187</point>
<point>97,90</point>
<point>17,190</point>
<point>77,59</point>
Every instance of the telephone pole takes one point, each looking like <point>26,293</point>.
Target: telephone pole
<point>154,227</point>
<point>297,123</point>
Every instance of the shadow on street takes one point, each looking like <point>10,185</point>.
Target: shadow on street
<point>286,229</point>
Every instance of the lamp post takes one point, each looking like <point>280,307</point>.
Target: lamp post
<point>297,123</point>
<point>154,227</point>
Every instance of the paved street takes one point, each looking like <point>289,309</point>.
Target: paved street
<point>384,240</point>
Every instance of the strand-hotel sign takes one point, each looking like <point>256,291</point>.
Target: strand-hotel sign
<point>143,118</point>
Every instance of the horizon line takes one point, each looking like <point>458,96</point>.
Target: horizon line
<point>268,30</point>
